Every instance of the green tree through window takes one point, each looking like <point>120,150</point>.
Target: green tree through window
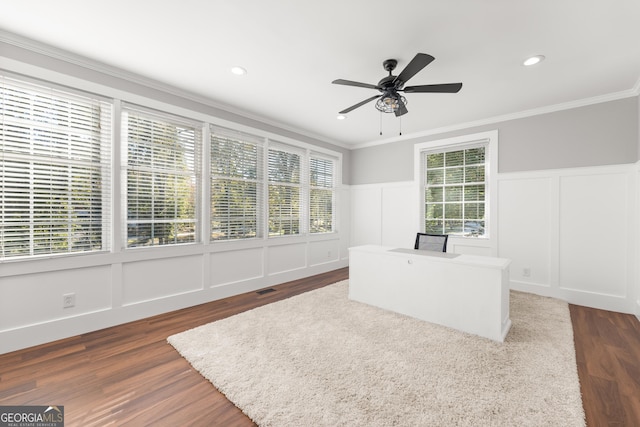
<point>321,194</point>
<point>162,180</point>
<point>454,194</point>
<point>236,186</point>
<point>285,192</point>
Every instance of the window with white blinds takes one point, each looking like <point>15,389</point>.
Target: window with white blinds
<point>455,191</point>
<point>322,172</point>
<point>285,190</point>
<point>55,170</point>
<point>236,185</point>
<point>161,176</point>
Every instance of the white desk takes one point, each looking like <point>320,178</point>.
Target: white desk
<point>465,292</point>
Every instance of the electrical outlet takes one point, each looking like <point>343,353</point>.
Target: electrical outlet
<point>526,272</point>
<point>68,300</point>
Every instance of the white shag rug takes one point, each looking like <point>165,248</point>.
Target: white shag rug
<point>320,359</point>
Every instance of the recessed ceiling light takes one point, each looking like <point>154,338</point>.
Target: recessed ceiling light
<point>533,60</point>
<point>238,71</point>
<point>341,117</point>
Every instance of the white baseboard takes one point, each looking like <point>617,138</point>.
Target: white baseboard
<point>531,288</point>
<point>588,299</point>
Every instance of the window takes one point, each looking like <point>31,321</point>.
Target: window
<point>236,185</point>
<point>321,194</point>
<point>56,173</point>
<point>455,191</point>
<point>161,178</point>
<point>285,190</point>
<point>54,170</point>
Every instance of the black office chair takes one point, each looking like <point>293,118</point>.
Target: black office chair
<point>431,242</point>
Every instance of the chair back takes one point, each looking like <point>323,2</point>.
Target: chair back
<point>431,242</point>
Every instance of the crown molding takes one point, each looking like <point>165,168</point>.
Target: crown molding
<point>102,68</point>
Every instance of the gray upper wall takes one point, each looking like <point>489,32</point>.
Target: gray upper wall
<point>73,67</point>
<point>593,135</point>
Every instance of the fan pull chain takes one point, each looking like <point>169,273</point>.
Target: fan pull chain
<point>400,125</point>
<point>380,123</point>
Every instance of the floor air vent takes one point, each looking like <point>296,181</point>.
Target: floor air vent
<point>265,291</point>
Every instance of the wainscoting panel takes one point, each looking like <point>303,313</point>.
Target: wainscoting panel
<point>152,279</point>
<point>285,258</point>
<point>571,234</point>
<point>36,298</point>
<point>400,215</point>
<point>366,215</point>
<point>593,233</point>
<point>324,251</point>
<point>525,229</point>
<point>236,266</point>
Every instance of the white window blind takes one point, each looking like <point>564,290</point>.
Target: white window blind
<point>285,189</point>
<point>455,191</point>
<point>322,172</point>
<point>236,185</point>
<point>162,174</point>
<point>54,171</point>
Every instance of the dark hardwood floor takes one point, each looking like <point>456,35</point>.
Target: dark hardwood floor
<point>608,358</point>
<point>129,376</point>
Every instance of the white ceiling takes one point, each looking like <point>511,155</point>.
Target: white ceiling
<point>293,49</point>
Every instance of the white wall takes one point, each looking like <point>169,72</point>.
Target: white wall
<point>638,225</point>
<point>574,230</point>
<point>638,237</point>
<point>116,288</point>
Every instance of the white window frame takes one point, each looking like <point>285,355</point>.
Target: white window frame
<point>332,189</point>
<point>195,175</point>
<point>303,213</point>
<point>73,132</point>
<point>490,138</point>
<point>260,144</point>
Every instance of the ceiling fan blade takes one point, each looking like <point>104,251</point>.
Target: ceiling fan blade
<point>419,61</point>
<point>352,83</point>
<point>402,109</point>
<point>440,88</point>
<point>359,104</point>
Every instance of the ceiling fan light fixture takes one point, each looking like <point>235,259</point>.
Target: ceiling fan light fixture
<point>389,100</point>
<point>390,104</point>
<point>533,60</point>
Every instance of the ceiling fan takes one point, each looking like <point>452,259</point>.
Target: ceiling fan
<point>390,100</point>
